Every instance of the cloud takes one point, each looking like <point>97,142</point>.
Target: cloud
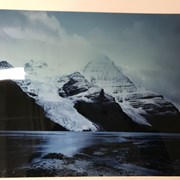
<point>145,46</point>
<point>42,26</point>
<point>40,36</point>
<point>147,49</point>
<point>34,25</point>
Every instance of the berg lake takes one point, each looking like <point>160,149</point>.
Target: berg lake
<point>35,153</point>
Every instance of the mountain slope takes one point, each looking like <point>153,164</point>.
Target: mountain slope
<point>93,103</point>
<point>44,89</point>
<point>103,99</point>
<point>20,112</point>
<point>104,73</point>
<point>5,65</point>
<point>144,107</point>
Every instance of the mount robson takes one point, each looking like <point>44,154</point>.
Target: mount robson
<point>100,98</point>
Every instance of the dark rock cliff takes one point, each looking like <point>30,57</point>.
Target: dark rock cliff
<point>20,112</point>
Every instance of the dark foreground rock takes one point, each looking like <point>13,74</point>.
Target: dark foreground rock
<point>41,172</point>
<point>55,164</point>
<point>122,159</point>
<point>109,154</point>
<point>20,112</point>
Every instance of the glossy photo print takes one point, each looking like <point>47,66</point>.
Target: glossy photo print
<point>89,94</point>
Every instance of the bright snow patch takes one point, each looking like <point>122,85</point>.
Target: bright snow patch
<point>64,113</point>
<point>59,110</point>
<point>134,113</point>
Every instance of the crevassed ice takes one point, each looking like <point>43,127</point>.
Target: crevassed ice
<point>59,110</point>
<point>63,113</point>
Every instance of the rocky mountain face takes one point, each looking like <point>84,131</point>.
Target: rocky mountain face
<point>92,102</point>
<point>143,106</point>
<point>5,65</point>
<point>73,84</point>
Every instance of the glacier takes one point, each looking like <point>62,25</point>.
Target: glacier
<point>43,87</point>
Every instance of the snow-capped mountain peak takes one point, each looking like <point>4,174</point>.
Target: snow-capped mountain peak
<point>73,84</point>
<point>36,70</point>
<point>5,65</point>
<point>106,74</point>
<point>64,98</point>
<point>35,64</point>
<point>141,105</point>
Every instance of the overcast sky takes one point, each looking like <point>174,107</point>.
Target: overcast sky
<point>146,47</point>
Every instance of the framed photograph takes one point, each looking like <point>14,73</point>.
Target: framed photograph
<point>88,92</point>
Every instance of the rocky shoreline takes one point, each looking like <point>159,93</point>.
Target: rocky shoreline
<point>121,159</point>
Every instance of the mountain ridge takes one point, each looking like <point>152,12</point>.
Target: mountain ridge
<point>68,96</point>
<point>143,106</point>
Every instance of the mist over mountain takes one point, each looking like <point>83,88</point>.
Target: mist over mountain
<point>102,98</point>
<point>104,73</point>
<point>146,46</point>
<point>143,106</point>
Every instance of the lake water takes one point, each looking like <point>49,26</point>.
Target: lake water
<point>144,153</point>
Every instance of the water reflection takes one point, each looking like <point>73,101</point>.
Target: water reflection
<point>16,151</point>
<point>70,143</point>
<point>150,150</point>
